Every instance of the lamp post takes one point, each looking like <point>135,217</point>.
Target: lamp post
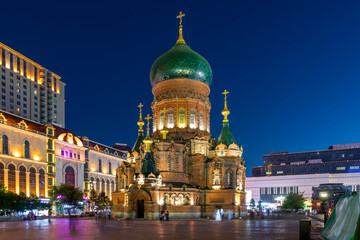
<point>324,196</point>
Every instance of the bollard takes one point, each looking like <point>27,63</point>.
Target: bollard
<point>305,230</point>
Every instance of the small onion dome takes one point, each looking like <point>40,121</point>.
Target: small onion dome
<point>70,138</point>
<point>181,62</point>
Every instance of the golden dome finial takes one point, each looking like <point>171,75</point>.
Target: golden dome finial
<point>140,122</point>
<point>226,111</point>
<point>148,140</point>
<point>181,39</point>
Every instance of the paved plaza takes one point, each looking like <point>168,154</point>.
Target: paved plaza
<point>62,229</point>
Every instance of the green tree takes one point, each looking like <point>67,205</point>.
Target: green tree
<point>67,194</point>
<point>294,201</point>
<point>11,202</point>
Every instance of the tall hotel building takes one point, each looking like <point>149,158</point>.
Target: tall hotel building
<point>29,90</point>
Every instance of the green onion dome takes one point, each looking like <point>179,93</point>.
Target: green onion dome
<point>181,62</point>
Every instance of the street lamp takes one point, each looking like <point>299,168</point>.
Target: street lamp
<point>324,196</point>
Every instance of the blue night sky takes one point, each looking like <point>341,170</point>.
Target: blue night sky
<point>292,67</point>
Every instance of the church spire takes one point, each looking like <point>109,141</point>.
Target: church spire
<point>181,39</point>
<point>140,122</point>
<point>226,111</point>
<point>226,136</point>
<point>148,140</point>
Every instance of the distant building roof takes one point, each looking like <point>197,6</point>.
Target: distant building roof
<point>345,146</point>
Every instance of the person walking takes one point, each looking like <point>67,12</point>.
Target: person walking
<point>49,213</point>
<point>167,215</point>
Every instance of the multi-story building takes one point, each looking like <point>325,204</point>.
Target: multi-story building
<point>29,90</point>
<point>35,157</point>
<point>285,172</point>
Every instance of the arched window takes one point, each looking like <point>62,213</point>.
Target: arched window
<point>182,118</point>
<point>229,179</point>
<point>11,178</point>
<point>102,185</point>
<point>161,125</point>
<point>166,199</point>
<point>186,200</point>
<point>69,176</point>
<point>108,187</point>
<point>100,168</point>
<point>42,182</point>
<point>110,172</point>
<point>173,199</point>
<point>5,144</point>
<point>181,199</point>
<point>32,181</point>
<point>92,183</point>
<point>171,119</point>
<point>201,121</point>
<point>2,174</point>
<point>26,149</point>
<point>112,186</point>
<point>22,179</point>
<point>192,119</point>
<point>97,185</point>
<point>171,163</point>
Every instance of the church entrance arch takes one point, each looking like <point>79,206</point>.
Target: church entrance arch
<point>140,198</point>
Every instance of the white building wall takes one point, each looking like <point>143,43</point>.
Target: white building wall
<point>303,182</point>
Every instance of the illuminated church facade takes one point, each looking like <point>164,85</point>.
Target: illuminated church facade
<point>181,168</point>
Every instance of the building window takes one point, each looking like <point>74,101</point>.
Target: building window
<point>11,178</point>
<point>97,185</point>
<point>201,121</point>
<point>42,182</point>
<point>108,187</point>
<point>192,119</point>
<point>22,179</point>
<point>340,168</point>
<point>2,173</point>
<point>161,125</point>
<point>171,163</point>
<point>26,149</point>
<point>5,144</point>
<point>216,178</point>
<point>100,169</point>
<point>173,199</point>
<point>70,176</point>
<point>102,185</point>
<point>182,118</point>
<point>171,119</point>
<point>109,167</point>
<point>229,179</point>
<point>32,181</point>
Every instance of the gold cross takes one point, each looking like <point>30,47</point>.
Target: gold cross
<point>181,15</point>
<point>225,92</point>
<point>148,119</point>
<point>140,106</point>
